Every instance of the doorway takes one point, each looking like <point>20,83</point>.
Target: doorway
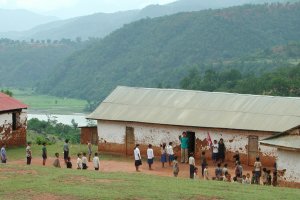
<point>129,141</point>
<point>191,145</point>
<point>252,149</point>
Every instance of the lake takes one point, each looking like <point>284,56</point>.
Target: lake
<point>64,119</point>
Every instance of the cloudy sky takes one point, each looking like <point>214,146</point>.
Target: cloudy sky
<point>71,8</point>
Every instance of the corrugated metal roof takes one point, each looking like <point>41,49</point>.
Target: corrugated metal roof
<point>9,103</point>
<point>200,109</point>
<point>286,141</point>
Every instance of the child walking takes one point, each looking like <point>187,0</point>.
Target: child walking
<point>175,166</point>
<point>150,156</point>
<point>96,162</point>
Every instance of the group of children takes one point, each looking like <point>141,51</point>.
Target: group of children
<point>82,160</point>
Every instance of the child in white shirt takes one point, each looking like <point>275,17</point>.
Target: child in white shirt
<point>84,161</point>
<point>150,156</point>
<point>96,162</point>
<point>79,161</point>
<point>170,152</point>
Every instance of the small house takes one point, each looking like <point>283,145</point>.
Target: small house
<point>131,115</point>
<point>13,121</point>
<point>288,152</point>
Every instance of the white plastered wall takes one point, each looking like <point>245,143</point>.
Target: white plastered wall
<point>155,134</point>
<point>290,161</point>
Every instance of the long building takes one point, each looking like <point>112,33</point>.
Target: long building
<point>131,115</point>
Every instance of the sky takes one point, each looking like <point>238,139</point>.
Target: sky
<point>71,8</point>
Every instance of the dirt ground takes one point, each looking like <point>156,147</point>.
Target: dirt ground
<point>128,166</point>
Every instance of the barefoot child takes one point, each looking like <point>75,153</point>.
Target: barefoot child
<point>56,162</point>
<point>150,156</point>
<point>96,162</point>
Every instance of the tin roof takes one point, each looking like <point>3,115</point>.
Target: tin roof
<point>8,103</point>
<point>285,141</point>
<point>200,109</point>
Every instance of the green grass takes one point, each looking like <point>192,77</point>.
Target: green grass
<point>18,153</point>
<point>30,182</point>
<point>49,104</point>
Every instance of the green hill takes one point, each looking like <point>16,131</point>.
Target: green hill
<point>25,64</point>
<point>162,50</point>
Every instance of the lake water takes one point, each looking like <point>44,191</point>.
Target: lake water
<point>64,119</point>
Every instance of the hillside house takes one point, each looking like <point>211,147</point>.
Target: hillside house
<point>146,115</point>
<point>288,150</point>
<point>13,121</point>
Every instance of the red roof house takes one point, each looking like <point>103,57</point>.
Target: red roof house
<point>13,121</point>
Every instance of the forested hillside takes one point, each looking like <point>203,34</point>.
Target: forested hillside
<point>162,50</point>
<point>101,24</point>
<point>25,64</point>
<point>283,81</point>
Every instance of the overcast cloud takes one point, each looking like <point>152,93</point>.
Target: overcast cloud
<point>71,8</point>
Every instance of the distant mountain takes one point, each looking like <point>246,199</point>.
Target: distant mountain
<point>162,50</point>
<point>101,24</point>
<point>21,20</point>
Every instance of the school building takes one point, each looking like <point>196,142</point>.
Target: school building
<point>13,121</point>
<point>288,150</point>
<point>131,115</point>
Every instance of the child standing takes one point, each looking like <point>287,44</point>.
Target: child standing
<point>203,162</point>
<point>84,161</point>
<point>269,177</point>
<point>96,162</point>
<point>225,169</point>
<point>274,181</point>
<point>264,176</point>
<point>3,154</point>
<point>163,157</point>
<point>56,162</point>
<point>44,153</point>
<point>257,169</point>
<point>89,150</point>
<point>170,153</point>
<point>28,153</point>
<point>218,172</point>
<point>150,156</point>
<point>79,161</point>
<point>175,166</point>
<point>69,163</point>
<point>215,151</point>
<point>192,165</point>
<point>205,177</point>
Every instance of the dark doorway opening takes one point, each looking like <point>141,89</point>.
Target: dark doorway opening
<point>191,136</point>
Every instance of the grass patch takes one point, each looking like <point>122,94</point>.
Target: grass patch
<point>49,104</point>
<point>75,184</point>
<point>17,153</point>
